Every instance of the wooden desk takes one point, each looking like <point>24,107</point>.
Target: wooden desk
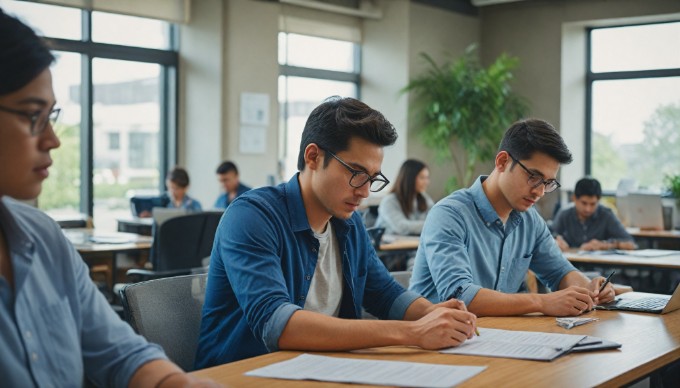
<point>670,239</point>
<point>400,243</point>
<point>671,262</point>
<point>649,341</point>
<point>90,243</point>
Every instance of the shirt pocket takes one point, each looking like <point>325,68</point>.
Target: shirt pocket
<point>61,342</point>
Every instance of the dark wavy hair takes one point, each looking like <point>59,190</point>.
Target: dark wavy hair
<point>332,124</point>
<point>179,176</point>
<point>405,186</point>
<point>23,55</point>
<point>588,186</point>
<point>525,137</point>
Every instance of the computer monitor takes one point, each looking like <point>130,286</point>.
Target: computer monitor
<point>644,211</point>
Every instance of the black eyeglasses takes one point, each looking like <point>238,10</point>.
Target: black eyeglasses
<point>536,180</point>
<point>38,119</point>
<point>359,178</point>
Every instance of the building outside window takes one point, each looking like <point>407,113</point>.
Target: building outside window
<point>112,79</point>
<point>311,69</point>
<point>633,116</point>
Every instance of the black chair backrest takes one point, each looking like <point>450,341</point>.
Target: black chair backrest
<point>375,235</point>
<point>168,312</point>
<point>184,241</point>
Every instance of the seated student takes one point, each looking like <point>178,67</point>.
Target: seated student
<point>56,327</point>
<point>177,182</point>
<point>478,243</point>
<point>227,174</point>
<point>292,264</point>
<point>588,225</point>
<point>403,211</point>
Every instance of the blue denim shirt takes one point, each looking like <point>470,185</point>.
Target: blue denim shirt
<point>188,203</point>
<point>55,325</point>
<point>261,267</point>
<point>465,247</point>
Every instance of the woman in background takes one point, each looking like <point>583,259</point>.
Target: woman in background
<point>178,185</point>
<point>403,211</point>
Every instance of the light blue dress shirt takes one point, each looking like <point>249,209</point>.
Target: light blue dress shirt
<point>465,247</point>
<point>55,326</point>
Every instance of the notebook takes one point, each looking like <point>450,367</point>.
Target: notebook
<point>645,302</point>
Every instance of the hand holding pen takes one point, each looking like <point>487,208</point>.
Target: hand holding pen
<point>604,284</point>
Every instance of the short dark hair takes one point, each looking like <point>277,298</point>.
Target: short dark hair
<point>226,167</point>
<point>23,55</point>
<point>528,136</point>
<point>405,186</point>
<point>588,186</point>
<point>332,124</point>
<point>179,176</point>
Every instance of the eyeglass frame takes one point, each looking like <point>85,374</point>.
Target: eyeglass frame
<point>52,118</point>
<point>532,175</point>
<point>379,177</point>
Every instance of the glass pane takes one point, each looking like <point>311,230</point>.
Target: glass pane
<point>61,191</point>
<point>646,47</point>
<point>42,18</point>
<point>636,131</point>
<point>317,53</point>
<point>130,31</point>
<point>126,117</point>
<point>298,97</point>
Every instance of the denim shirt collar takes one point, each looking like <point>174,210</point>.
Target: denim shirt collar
<point>298,215</point>
<point>486,210</point>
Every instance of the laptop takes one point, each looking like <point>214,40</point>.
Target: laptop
<point>645,302</point>
<point>162,214</point>
<point>644,211</point>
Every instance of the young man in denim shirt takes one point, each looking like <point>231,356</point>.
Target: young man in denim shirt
<point>292,265</point>
<point>478,243</point>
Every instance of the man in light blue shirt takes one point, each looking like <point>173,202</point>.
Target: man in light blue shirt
<point>478,243</point>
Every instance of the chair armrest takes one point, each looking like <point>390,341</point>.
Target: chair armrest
<point>137,275</point>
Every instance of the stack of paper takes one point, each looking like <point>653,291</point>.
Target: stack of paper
<point>527,345</point>
<point>375,372</point>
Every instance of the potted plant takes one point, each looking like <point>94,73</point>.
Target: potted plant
<point>465,103</point>
<point>673,186</point>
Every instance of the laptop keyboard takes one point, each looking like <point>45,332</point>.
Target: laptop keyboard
<point>647,303</point>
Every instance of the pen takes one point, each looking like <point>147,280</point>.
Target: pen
<point>606,281</point>
<point>477,331</point>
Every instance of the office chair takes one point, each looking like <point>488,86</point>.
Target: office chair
<point>168,312</point>
<point>375,235</point>
<point>402,277</point>
<point>180,245</point>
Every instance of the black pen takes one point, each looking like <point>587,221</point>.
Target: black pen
<point>606,281</point>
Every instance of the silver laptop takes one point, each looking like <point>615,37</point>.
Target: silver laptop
<point>644,211</point>
<point>162,214</point>
<point>645,302</point>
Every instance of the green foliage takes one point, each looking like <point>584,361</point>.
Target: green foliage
<point>673,185</point>
<point>463,102</point>
<point>608,165</point>
<point>62,189</point>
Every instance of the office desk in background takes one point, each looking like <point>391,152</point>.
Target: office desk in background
<point>394,243</point>
<point>94,245</point>
<point>658,239</point>
<point>649,341</point>
<point>136,225</point>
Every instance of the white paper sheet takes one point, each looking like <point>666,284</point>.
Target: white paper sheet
<point>376,372</point>
<point>526,345</point>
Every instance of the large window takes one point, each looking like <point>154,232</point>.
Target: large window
<point>633,121</point>
<point>113,79</point>
<point>311,69</point>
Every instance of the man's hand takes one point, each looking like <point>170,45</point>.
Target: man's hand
<point>445,326</point>
<point>571,301</point>
<point>562,243</point>
<point>595,245</point>
<point>607,295</point>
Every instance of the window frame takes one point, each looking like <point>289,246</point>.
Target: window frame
<point>592,77</point>
<point>168,131</point>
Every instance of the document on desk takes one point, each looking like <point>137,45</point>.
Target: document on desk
<point>361,371</point>
<point>525,345</point>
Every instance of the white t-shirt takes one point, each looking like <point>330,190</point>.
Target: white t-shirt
<point>325,292</point>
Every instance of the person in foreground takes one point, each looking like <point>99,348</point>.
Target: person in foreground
<point>292,265</point>
<point>56,328</point>
<point>227,175</point>
<point>588,225</point>
<point>404,210</point>
<point>478,243</point>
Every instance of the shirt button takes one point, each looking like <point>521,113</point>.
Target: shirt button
<point>28,334</point>
<point>488,224</point>
<point>308,277</point>
<point>302,297</point>
<point>34,356</point>
<point>314,250</point>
